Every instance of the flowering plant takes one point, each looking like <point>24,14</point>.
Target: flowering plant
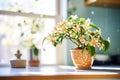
<point>82,32</point>
<point>22,32</point>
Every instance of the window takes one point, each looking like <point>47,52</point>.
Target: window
<point>53,11</point>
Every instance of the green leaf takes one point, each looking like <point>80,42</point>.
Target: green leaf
<point>25,22</point>
<point>19,24</point>
<point>69,18</point>
<point>36,51</point>
<point>74,9</point>
<point>74,35</point>
<point>37,25</point>
<point>82,20</point>
<point>33,21</point>
<point>92,50</point>
<point>106,45</point>
<point>22,34</point>
<point>60,39</point>
<point>55,44</point>
<point>94,26</point>
<point>83,49</point>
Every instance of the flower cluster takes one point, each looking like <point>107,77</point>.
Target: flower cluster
<point>82,32</point>
<point>23,32</point>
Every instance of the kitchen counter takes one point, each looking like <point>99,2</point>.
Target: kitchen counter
<point>59,72</point>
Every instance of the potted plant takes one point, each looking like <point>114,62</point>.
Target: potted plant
<point>84,34</point>
<point>24,33</point>
<point>31,39</point>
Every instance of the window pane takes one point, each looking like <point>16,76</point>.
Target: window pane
<point>49,7</point>
<point>10,40</point>
<point>30,6</point>
<point>10,23</point>
<point>49,55</point>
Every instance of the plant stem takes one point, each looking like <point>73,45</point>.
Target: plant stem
<point>76,42</point>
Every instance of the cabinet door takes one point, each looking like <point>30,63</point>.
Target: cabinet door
<point>103,3</point>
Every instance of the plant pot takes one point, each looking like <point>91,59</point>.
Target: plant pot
<point>82,60</point>
<point>34,63</point>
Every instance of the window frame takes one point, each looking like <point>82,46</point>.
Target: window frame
<point>61,13</point>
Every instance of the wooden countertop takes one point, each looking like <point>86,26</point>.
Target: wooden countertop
<point>58,72</point>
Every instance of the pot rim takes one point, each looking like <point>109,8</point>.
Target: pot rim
<point>77,48</point>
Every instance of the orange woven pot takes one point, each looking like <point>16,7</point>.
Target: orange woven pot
<point>82,60</point>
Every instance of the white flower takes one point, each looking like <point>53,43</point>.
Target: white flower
<point>74,17</point>
<point>27,33</point>
<point>108,39</point>
<point>98,31</point>
<point>87,24</point>
<point>27,41</point>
